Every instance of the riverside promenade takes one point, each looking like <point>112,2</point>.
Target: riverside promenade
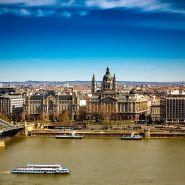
<point>109,133</point>
<point>86,133</point>
<point>106,131</point>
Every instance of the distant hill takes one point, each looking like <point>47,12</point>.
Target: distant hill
<point>78,82</point>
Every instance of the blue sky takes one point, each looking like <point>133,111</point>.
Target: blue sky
<point>140,40</point>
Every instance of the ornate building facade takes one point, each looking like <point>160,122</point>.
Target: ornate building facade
<point>158,111</point>
<point>50,105</point>
<point>112,104</point>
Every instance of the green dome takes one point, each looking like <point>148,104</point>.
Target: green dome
<point>107,76</point>
<point>133,91</point>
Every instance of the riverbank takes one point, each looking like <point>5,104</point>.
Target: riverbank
<point>106,133</point>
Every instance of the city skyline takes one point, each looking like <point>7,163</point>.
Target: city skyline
<point>70,40</point>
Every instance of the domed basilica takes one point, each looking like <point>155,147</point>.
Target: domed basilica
<point>112,104</point>
<point>109,84</point>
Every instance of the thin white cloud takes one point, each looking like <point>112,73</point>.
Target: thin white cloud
<point>85,6</point>
<point>29,2</point>
<point>83,13</point>
<point>66,14</point>
<point>19,12</point>
<point>44,13</point>
<point>145,5</point>
<point>24,12</point>
<point>62,3</point>
<point>67,3</point>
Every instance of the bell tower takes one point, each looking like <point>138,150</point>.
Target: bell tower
<point>93,84</point>
<point>114,83</point>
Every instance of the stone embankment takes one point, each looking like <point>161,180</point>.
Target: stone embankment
<point>107,133</point>
<point>86,133</point>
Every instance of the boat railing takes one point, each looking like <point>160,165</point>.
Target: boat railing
<point>43,166</point>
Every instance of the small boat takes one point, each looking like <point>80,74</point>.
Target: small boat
<point>72,135</point>
<point>133,136</point>
<point>41,169</point>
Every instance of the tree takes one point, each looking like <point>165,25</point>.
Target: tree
<point>27,116</point>
<point>4,116</point>
<point>15,116</point>
<point>107,111</point>
<point>83,113</point>
<point>44,116</point>
<point>65,117</point>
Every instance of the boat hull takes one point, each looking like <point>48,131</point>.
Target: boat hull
<point>39,172</point>
<point>131,138</point>
<point>69,137</point>
<point>40,169</point>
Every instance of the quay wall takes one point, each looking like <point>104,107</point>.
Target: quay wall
<point>167,134</point>
<point>86,134</point>
<point>106,134</point>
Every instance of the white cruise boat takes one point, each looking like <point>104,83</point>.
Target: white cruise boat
<point>41,169</point>
<point>72,135</point>
<point>133,136</point>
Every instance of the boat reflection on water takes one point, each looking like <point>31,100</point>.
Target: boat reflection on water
<point>132,136</point>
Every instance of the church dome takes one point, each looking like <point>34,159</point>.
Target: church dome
<point>133,91</point>
<point>107,76</point>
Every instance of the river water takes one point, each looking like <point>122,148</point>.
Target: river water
<point>96,161</point>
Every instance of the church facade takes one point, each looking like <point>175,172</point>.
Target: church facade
<point>112,104</point>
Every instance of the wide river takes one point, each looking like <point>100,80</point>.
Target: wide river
<point>96,161</point>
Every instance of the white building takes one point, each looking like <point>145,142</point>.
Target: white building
<point>11,103</point>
